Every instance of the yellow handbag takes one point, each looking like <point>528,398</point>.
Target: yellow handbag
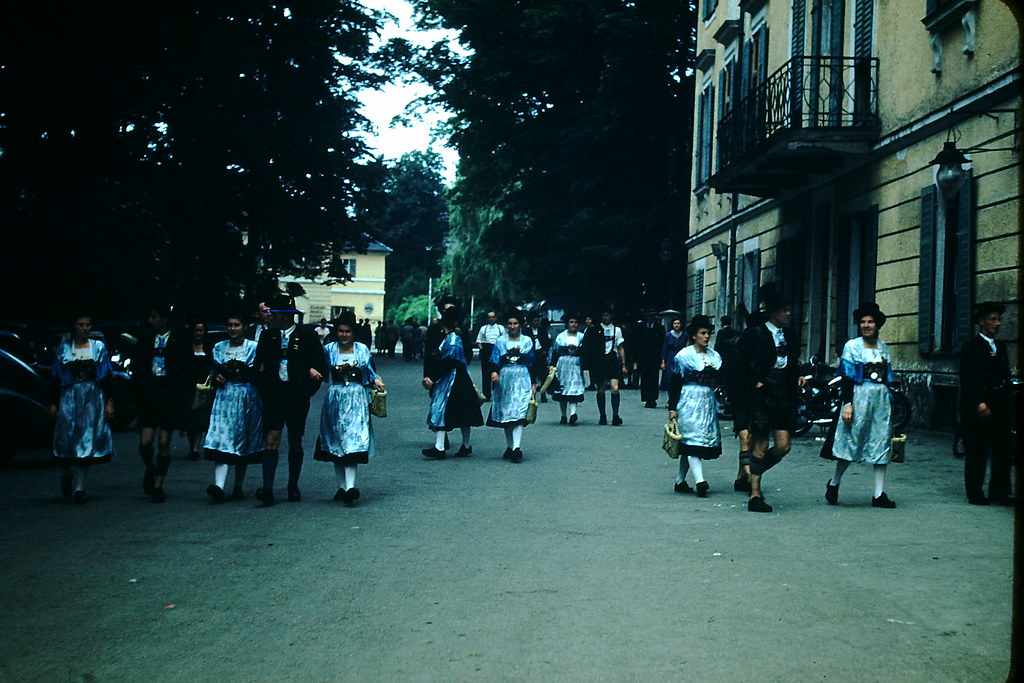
<point>672,440</point>
<point>531,412</point>
<point>378,403</point>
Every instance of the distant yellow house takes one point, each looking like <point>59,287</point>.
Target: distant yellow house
<point>355,282</point>
<point>819,128</point>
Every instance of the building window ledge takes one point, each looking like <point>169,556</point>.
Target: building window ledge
<point>943,14</point>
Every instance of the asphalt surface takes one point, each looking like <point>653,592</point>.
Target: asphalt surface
<point>578,564</point>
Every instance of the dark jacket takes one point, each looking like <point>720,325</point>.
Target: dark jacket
<point>304,352</point>
<point>755,358</point>
<point>174,356</point>
<point>984,378</point>
<point>647,343</point>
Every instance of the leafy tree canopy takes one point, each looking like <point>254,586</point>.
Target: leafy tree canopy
<point>408,211</point>
<point>188,149</point>
<point>572,119</point>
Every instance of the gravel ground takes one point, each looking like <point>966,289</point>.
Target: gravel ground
<point>579,564</point>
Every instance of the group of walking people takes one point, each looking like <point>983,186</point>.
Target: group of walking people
<point>763,384</point>
<point>261,379</point>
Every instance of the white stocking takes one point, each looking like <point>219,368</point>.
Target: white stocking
<point>439,439</point>
<point>697,466</point>
<point>79,475</point>
<point>517,436</point>
<point>841,466</point>
<point>220,475</point>
<point>350,477</point>
<point>879,479</point>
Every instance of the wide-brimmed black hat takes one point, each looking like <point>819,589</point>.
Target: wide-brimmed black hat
<point>347,318</point>
<point>986,308</point>
<point>450,318</point>
<point>872,309</point>
<point>772,299</point>
<point>282,303</point>
<point>518,315</point>
<point>699,322</point>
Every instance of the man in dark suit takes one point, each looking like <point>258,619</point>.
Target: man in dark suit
<point>291,364</point>
<point>986,406</point>
<point>649,334</point>
<point>768,360</point>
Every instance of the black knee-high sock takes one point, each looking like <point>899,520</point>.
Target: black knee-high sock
<point>146,453</point>
<point>295,456</point>
<point>615,404</point>
<point>163,463</point>
<point>600,404</point>
<point>269,461</point>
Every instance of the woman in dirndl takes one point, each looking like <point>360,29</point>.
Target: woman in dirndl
<point>346,432</point>
<point>81,437</point>
<point>864,431</point>
<point>694,404</point>
<point>513,388</point>
<point>234,436</point>
<point>564,359</point>
<point>453,399</point>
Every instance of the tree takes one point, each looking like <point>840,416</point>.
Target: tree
<point>573,121</point>
<point>191,149</point>
<point>408,212</point>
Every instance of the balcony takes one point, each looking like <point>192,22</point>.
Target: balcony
<point>807,120</point>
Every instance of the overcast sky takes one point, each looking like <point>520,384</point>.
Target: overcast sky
<point>382,106</point>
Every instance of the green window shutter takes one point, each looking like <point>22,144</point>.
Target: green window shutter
<point>869,261</point>
<point>796,40</point>
<point>926,273</point>
<point>863,21</point>
<point>964,278</point>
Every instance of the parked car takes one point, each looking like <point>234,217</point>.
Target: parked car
<point>24,397</point>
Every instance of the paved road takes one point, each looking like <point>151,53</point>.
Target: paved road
<point>578,564</point>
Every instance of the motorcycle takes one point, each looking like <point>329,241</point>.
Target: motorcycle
<point>820,399</point>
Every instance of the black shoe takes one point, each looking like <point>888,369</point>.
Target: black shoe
<point>616,421</point>
<point>563,420</point>
<point>831,493</point>
<point>517,455</point>
<point>340,495</point>
<point>266,498</point>
<point>351,496</point>
<point>882,502</point>
<point>978,501</point>
<point>1005,501</point>
<point>757,504</point>
<point>573,419</point>
<point>65,485</point>
<point>742,484</point>
<point>650,404</point>
<point>79,498</point>
<point>237,493</point>
<point>147,480</point>
<point>193,456</point>
<point>702,489</point>
<point>294,496</point>
<point>682,487</point>
<point>603,420</point>
<point>464,452</point>
<point>215,492</point>
<point>433,454</point>
<point>158,495</point>
<point>507,455</point>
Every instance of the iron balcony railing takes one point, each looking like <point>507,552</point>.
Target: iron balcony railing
<point>806,93</point>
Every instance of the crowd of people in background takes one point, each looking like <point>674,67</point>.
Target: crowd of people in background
<point>240,399</point>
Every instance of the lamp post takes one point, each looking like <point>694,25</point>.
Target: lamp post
<point>950,176</point>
